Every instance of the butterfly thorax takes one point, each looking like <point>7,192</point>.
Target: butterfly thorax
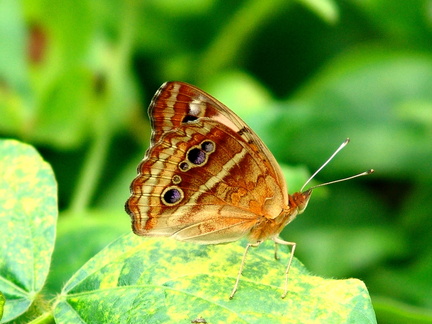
<point>269,227</point>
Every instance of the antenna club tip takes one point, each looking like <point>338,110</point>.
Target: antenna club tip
<point>347,140</point>
<point>371,171</point>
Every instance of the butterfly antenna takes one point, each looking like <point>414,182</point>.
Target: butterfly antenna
<point>344,179</point>
<point>326,162</point>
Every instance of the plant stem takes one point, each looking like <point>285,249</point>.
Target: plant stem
<point>97,154</point>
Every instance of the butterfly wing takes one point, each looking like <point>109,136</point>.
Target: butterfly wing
<point>202,180</point>
<point>177,103</point>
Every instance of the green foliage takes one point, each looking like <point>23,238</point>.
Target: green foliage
<point>28,215</point>
<point>75,78</point>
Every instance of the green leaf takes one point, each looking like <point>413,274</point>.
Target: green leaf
<point>28,215</point>
<point>98,228</point>
<point>139,279</point>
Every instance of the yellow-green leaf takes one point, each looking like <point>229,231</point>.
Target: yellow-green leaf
<point>28,215</point>
<point>146,280</point>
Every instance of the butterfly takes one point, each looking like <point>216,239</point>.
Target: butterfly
<point>208,178</point>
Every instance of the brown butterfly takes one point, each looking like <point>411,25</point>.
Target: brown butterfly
<point>208,178</point>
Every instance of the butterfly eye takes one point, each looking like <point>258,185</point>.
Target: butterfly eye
<point>189,119</point>
<point>172,196</point>
<point>196,156</point>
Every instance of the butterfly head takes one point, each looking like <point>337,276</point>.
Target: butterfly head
<point>300,200</point>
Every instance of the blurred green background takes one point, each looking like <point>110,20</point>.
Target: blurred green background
<point>76,78</point>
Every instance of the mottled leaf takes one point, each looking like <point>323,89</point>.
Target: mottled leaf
<point>28,214</point>
<point>97,227</point>
<point>146,280</point>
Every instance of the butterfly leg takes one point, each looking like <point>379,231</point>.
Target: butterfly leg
<point>241,267</point>
<point>276,252</point>
<point>293,246</point>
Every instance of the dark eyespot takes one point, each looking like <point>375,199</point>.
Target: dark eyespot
<point>189,119</point>
<point>184,166</point>
<point>176,179</point>
<point>172,196</point>
<point>196,156</point>
<point>208,146</point>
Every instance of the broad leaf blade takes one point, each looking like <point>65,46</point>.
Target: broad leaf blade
<point>161,280</point>
<point>28,214</point>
